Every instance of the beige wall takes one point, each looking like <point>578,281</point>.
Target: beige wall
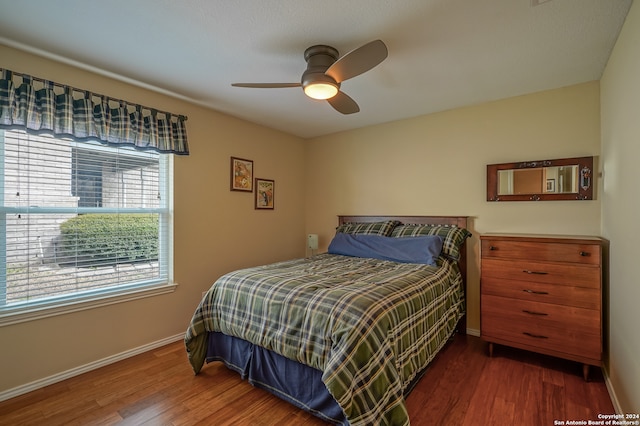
<point>621,208</point>
<point>436,165</point>
<point>216,231</point>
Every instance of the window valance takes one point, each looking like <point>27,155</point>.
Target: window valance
<point>42,106</point>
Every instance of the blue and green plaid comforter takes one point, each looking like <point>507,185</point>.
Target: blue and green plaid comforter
<point>369,325</point>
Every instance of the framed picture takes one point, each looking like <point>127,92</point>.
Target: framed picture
<point>551,185</point>
<point>241,174</point>
<point>264,193</point>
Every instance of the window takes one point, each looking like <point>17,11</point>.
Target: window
<point>80,222</point>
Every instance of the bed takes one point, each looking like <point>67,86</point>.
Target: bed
<point>343,335</point>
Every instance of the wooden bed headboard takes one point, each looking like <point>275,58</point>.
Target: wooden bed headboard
<point>460,221</point>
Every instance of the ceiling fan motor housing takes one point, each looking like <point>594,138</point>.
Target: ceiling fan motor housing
<point>319,58</point>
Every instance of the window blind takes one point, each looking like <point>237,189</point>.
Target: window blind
<point>80,218</point>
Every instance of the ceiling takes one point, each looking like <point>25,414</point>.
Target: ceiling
<point>443,54</point>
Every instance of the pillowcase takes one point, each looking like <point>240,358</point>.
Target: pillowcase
<point>453,237</point>
<point>425,249</point>
<point>368,228</point>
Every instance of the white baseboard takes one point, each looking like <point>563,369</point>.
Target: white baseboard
<point>473,332</point>
<point>40,383</point>
<point>612,392</point>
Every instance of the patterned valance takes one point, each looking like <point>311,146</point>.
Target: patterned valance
<point>41,106</point>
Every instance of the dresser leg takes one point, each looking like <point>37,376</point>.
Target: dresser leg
<point>490,349</point>
<point>585,372</point>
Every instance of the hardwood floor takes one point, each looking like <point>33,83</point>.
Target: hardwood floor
<point>463,386</point>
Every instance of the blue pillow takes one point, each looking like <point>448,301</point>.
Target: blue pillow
<point>423,249</point>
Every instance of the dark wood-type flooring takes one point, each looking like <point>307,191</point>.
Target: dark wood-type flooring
<point>463,386</point>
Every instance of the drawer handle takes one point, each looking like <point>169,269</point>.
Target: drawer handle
<point>493,248</point>
<point>537,336</point>
<point>534,313</point>
<point>535,292</point>
<point>584,253</point>
<point>535,272</point>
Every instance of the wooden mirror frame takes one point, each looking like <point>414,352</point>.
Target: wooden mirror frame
<point>585,180</point>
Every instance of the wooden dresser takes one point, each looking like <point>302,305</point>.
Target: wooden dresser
<point>543,294</point>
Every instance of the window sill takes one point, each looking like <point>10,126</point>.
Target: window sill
<point>15,315</point>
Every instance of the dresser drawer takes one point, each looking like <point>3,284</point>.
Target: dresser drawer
<point>542,315</point>
<point>581,297</point>
<point>572,330</point>
<point>550,273</point>
<point>588,254</point>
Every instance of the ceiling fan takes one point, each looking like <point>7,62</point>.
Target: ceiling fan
<point>325,71</point>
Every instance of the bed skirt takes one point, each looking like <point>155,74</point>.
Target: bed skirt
<point>289,380</point>
<point>296,383</point>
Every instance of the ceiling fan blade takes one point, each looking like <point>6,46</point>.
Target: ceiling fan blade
<point>343,103</point>
<point>358,61</point>
<point>266,85</point>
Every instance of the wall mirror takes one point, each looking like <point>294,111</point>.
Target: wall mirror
<point>545,180</point>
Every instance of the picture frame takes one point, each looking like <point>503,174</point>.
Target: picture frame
<point>265,192</point>
<point>241,174</point>
<point>551,185</point>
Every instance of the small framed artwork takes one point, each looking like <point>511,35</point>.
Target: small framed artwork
<point>551,185</point>
<point>265,189</point>
<point>241,174</point>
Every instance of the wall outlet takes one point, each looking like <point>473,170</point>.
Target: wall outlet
<point>312,241</point>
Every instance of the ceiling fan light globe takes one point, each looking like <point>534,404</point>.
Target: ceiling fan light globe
<point>322,90</point>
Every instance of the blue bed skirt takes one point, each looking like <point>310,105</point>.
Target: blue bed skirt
<point>296,383</point>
